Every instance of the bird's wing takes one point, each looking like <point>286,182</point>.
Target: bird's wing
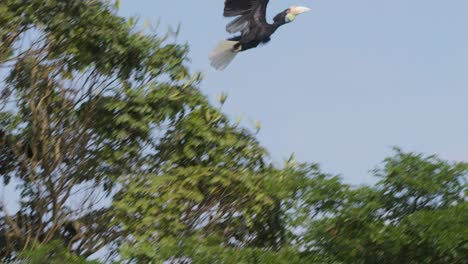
<point>248,13</point>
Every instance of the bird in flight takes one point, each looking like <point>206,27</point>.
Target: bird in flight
<point>250,21</point>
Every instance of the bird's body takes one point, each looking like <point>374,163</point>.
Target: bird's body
<point>255,38</point>
<point>254,29</point>
<point>251,22</point>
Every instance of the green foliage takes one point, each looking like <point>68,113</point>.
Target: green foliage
<point>412,182</point>
<point>52,253</point>
<point>416,214</point>
<point>93,108</point>
<point>205,186</point>
<point>91,95</point>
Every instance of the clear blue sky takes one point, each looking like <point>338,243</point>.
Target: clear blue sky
<point>344,83</point>
<point>340,85</point>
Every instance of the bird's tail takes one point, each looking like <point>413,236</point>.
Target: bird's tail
<point>223,54</point>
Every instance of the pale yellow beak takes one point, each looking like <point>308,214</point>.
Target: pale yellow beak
<point>296,10</point>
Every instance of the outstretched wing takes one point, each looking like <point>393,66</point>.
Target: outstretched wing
<point>248,13</point>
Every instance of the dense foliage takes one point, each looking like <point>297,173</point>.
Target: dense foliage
<point>117,155</point>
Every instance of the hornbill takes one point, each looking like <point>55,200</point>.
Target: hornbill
<point>251,22</point>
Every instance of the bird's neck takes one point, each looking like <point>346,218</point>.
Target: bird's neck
<point>277,24</point>
<point>279,19</point>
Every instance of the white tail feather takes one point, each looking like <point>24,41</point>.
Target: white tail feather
<point>223,54</point>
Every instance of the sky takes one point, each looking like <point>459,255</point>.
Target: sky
<point>343,84</point>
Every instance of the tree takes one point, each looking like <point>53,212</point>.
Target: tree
<point>53,253</point>
<point>93,109</point>
<point>416,214</point>
<point>114,150</point>
<point>83,96</point>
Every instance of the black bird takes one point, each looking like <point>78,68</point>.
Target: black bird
<point>251,22</point>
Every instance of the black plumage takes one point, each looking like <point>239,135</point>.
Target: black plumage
<point>250,21</point>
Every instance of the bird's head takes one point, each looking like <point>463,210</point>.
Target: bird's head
<point>293,11</point>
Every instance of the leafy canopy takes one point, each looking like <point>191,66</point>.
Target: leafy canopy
<point>115,152</point>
